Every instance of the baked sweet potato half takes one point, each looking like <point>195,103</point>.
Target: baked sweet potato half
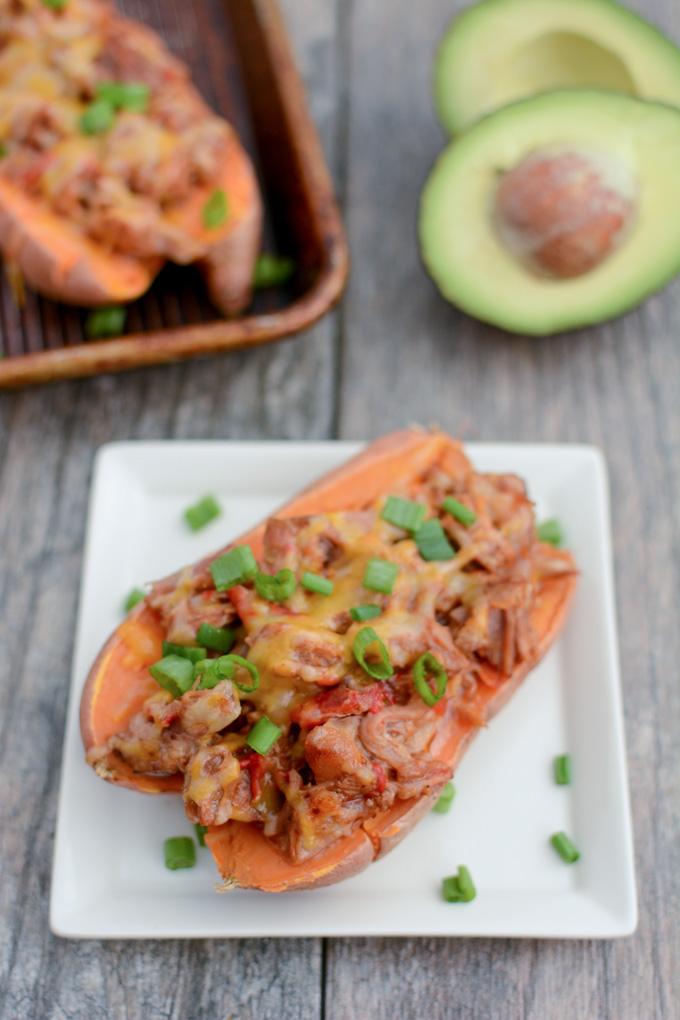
<point>345,652</point>
<point>112,164</point>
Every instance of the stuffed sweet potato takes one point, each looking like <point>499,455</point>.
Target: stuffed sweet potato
<point>344,654</point>
<point>112,164</point>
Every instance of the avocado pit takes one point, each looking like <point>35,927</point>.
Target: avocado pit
<point>563,212</point>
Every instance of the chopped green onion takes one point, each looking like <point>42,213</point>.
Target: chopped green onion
<point>263,735</point>
<point>424,668</point>
<point>445,799</point>
<point>380,669</point>
<point>179,852</point>
<point>403,513</point>
<point>229,664</point>
<point>125,95</point>
<point>207,674</point>
<point>432,541</point>
<point>277,587</point>
<point>215,210</point>
<point>201,513</point>
<point>211,672</point>
<point>562,768</point>
<point>233,567</point>
<point>134,597</point>
<point>97,118</point>
<point>3,150</point>
<point>465,884</point>
<point>317,583</point>
<point>272,270</point>
<point>191,652</point>
<point>219,639</point>
<point>550,531</point>
<point>56,5</point>
<point>368,611</point>
<point>173,672</point>
<point>565,847</point>
<point>459,888</point>
<point>200,833</point>
<point>380,575</point>
<point>104,322</point>
<point>462,513</point>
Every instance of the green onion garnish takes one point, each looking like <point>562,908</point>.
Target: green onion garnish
<point>565,847</point>
<point>272,270</point>
<point>432,541</point>
<point>219,639</point>
<point>427,670</point>
<point>562,769</point>
<point>445,799</point>
<point>125,95</point>
<point>211,672</point>
<point>234,567</point>
<point>97,118</point>
<point>201,513</point>
<point>363,642</point>
<point>207,674</point>
<point>317,583</point>
<point>3,150</point>
<point>191,652</point>
<point>403,513</point>
<point>369,611</point>
<point>277,587</point>
<point>459,888</point>
<point>462,513</point>
<point>133,598</point>
<point>215,210</point>
<point>380,575</point>
<point>200,833</point>
<point>173,672</point>
<point>550,531</point>
<point>56,5</point>
<point>179,852</point>
<point>105,322</point>
<point>263,735</point>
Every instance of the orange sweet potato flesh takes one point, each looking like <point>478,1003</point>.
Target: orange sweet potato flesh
<point>57,260</point>
<point>119,681</point>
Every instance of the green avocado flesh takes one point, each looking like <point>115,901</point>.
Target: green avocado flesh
<point>476,271</point>
<point>500,51</point>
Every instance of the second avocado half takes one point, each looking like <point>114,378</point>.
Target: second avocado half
<point>499,51</point>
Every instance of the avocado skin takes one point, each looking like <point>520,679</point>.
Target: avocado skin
<point>502,292</point>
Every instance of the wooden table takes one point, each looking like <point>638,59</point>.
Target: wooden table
<point>392,354</point>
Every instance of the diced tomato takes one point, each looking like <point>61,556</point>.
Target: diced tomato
<point>256,764</point>
<point>242,600</point>
<point>341,701</point>
<point>380,776</point>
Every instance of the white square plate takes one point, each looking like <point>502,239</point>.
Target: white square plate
<point>109,880</point>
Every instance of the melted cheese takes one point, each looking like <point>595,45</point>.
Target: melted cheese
<point>277,636</point>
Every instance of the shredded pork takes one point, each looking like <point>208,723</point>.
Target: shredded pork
<point>350,745</point>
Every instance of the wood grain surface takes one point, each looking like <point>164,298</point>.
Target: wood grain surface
<point>393,353</point>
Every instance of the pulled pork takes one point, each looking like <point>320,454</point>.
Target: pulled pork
<point>350,745</point>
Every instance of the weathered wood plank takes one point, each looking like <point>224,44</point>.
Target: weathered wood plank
<point>408,356</point>
<point>47,441</point>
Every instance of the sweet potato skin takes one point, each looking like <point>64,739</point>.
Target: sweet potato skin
<point>243,855</point>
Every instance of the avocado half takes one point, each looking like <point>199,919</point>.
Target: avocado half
<point>462,247</point>
<point>499,51</point>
